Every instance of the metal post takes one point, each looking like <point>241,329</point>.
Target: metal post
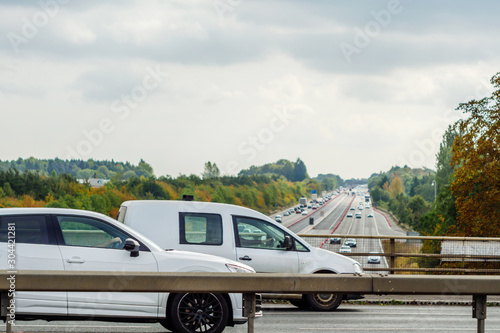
<point>249,310</point>
<point>392,259</point>
<point>5,301</point>
<point>479,311</point>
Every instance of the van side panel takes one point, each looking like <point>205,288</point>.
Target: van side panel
<point>155,218</point>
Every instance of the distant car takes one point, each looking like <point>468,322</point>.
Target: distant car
<point>287,213</point>
<point>373,258</point>
<point>345,249</point>
<point>315,206</point>
<point>277,218</point>
<point>352,208</point>
<point>370,215</point>
<point>360,207</point>
<point>309,206</point>
<point>305,212</point>
<point>349,214</point>
<point>350,242</point>
<point>298,211</point>
<point>335,240</point>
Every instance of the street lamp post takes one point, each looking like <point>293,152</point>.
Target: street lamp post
<point>435,188</point>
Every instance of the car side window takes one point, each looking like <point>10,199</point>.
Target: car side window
<point>29,229</point>
<point>88,232</point>
<point>254,233</point>
<point>198,228</point>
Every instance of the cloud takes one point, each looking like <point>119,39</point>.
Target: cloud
<point>106,84</point>
<point>228,75</point>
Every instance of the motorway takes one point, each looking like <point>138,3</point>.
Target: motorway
<point>331,218</point>
<point>286,318</point>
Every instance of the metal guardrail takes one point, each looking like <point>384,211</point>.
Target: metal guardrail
<point>249,284</point>
<point>394,247</point>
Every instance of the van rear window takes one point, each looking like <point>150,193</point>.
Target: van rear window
<point>198,228</point>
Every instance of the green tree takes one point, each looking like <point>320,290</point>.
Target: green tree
<point>444,213</point>
<point>144,169</point>
<point>155,189</point>
<point>211,171</point>
<point>329,184</point>
<point>300,171</point>
<point>8,191</point>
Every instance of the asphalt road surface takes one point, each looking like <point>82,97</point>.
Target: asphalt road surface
<point>286,318</point>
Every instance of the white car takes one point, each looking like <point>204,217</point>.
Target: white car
<point>351,242</point>
<point>305,212</point>
<point>374,258</point>
<point>345,249</point>
<point>277,218</point>
<point>78,240</point>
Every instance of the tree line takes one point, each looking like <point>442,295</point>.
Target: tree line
<point>264,192</point>
<point>79,168</point>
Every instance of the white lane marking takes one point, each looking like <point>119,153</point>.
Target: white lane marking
<point>338,218</point>
<point>380,242</point>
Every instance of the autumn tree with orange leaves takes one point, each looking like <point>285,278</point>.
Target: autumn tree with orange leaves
<point>476,158</point>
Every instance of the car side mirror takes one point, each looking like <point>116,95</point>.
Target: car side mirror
<point>288,243</point>
<point>132,246</point>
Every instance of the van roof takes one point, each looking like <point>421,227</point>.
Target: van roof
<point>196,206</point>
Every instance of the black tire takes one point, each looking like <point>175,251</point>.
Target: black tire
<point>196,312</point>
<point>323,302</point>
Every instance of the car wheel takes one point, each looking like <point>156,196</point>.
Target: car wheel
<point>323,302</point>
<point>196,312</point>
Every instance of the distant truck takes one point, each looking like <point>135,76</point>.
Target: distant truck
<point>303,202</point>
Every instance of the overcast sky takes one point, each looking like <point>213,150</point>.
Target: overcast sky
<point>350,87</point>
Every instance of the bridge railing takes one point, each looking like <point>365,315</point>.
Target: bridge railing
<point>418,254</point>
<point>478,286</point>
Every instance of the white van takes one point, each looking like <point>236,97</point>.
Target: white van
<point>79,240</point>
<point>237,233</point>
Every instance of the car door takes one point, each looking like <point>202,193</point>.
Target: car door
<point>89,244</point>
<point>260,244</point>
<point>27,242</point>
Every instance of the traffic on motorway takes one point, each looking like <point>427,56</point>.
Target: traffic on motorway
<point>248,240</point>
<point>345,213</point>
